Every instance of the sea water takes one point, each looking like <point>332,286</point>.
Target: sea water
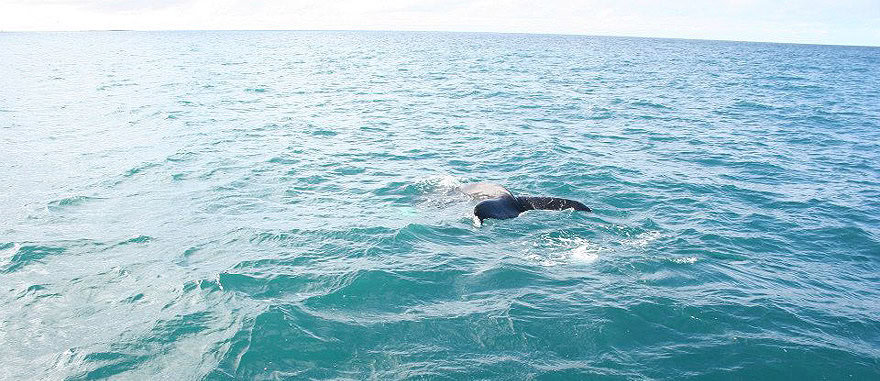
<point>274,205</point>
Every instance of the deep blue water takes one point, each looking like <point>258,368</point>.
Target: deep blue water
<point>270,205</point>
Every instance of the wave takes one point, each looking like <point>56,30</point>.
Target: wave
<point>70,202</point>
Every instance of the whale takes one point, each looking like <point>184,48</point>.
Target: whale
<point>499,203</point>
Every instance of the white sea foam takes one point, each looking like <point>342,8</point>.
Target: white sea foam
<point>440,183</point>
<point>442,194</point>
<point>586,252</point>
<point>552,251</point>
<point>642,240</point>
<point>477,222</point>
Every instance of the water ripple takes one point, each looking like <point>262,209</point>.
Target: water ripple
<point>237,205</point>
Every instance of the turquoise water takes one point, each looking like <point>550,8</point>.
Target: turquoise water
<point>272,205</point>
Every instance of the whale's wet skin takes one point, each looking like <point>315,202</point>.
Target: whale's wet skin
<point>289,205</point>
<point>500,203</point>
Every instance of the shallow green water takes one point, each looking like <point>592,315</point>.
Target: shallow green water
<point>261,205</point>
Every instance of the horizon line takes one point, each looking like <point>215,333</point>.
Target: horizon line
<point>439,31</point>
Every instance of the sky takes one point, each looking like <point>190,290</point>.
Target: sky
<point>844,22</point>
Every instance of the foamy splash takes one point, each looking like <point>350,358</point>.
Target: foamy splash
<point>440,191</point>
<point>585,252</point>
<point>439,184</point>
<point>642,240</point>
<point>553,251</point>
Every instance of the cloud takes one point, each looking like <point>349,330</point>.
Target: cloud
<point>846,22</point>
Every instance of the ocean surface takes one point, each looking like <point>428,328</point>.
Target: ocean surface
<point>284,205</point>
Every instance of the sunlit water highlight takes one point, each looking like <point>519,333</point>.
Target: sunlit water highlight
<point>268,205</point>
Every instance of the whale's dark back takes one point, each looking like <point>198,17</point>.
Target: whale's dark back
<point>498,208</point>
